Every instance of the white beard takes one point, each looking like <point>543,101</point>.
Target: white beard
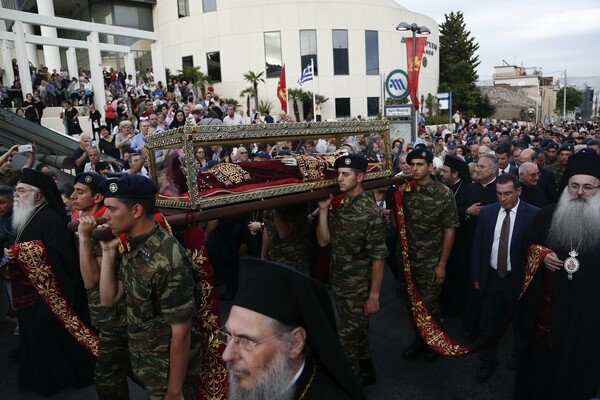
<point>22,212</point>
<point>270,384</point>
<point>576,223</point>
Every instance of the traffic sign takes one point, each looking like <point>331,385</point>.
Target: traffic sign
<point>396,84</point>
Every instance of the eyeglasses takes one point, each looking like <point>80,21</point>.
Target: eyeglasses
<point>534,174</point>
<point>242,152</point>
<point>587,188</point>
<point>245,344</point>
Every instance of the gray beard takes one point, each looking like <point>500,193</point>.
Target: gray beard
<point>575,224</point>
<point>22,212</point>
<point>270,385</point>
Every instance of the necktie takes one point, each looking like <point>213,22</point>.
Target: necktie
<point>502,171</point>
<point>503,246</point>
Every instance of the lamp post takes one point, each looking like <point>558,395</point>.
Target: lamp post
<point>421,30</point>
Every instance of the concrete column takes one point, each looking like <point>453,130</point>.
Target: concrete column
<point>6,65</point>
<point>21,53</point>
<point>32,53</point>
<point>157,63</point>
<point>51,53</point>
<point>72,62</point>
<point>130,66</point>
<point>96,70</point>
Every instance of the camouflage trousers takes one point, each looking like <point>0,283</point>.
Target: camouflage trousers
<point>112,364</point>
<point>422,275</point>
<point>354,326</point>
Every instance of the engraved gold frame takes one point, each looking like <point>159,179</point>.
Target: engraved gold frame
<point>189,137</point>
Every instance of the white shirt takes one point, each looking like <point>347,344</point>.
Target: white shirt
<point>496,242</point>
<point>236,120</point>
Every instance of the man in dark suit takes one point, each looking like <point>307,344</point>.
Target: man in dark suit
<point>531,193</point>
<point>503,156</point>
<point>498,262</point>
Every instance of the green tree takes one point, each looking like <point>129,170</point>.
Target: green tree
<point>574,99</point>
<point>248,93</point>
<point>199,79</point>
<point>265,106</point>
<point>485,108</point>
<point>307,102</point>
<point>296,95</point>
<point>231,102</point>
<point>431,104</point>
<point>254,78</point>
<point>458,63</point>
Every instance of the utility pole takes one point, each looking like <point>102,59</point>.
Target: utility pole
<point>565,98</point>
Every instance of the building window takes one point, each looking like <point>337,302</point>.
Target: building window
<point>308,49</point>
<point>273,54</point>
<point>372,106</point>
<point>213,62</point>
<point>187,61</point>
<point>340,52</point>
<point>342,108</point>
<point>372,52</point>
<point>183,8</point>
<point>209,5</point>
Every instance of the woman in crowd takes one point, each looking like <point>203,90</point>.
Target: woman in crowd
<point>31,112</point>
<point>70,116</point>
<point>200,158</point>
<point>124,137</point>
<point>107,143</point>
<point>178,120</point>
<point>110,116</point>
<point>73,90</point>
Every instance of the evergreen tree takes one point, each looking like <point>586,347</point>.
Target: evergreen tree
<point>458,63</point>
<point>574,99</point>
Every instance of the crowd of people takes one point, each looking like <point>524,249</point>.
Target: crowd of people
<point>473,201</point>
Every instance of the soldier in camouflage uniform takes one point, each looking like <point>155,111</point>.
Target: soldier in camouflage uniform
<point>431,220</point>
<point>112,363</point>
<point>285,237</point>
<point>356,230</point>
<point>558,168</point>
<point>162,290</point>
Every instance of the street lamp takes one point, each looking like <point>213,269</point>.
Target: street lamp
<point>421,30</point>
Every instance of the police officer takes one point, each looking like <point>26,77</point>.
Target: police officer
<point>162,290</point>
<point>431,220</point>
<point>356,231</point>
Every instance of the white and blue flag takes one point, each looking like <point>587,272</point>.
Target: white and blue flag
<point>307,74</point>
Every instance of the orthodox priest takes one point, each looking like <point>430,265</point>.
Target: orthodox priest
<point>50,359</point>
<point>558,323</point>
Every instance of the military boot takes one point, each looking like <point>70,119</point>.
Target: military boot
<point>366,374</point>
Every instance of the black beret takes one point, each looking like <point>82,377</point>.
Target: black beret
<point>91,179</point>
<point>420,145</point>
<point>471,142</point>
<point>354,161</point>
<point>567,147</point>
<point>6,190</point>
<point>129,186</point>
<point>552,145</point>
<point>587,150</point>
<point>420,153</point>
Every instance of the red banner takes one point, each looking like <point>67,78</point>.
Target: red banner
<point>281,90</point>
<point>414,67</point>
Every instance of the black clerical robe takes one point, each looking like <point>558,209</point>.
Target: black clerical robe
<point>50,359</point>
<point>565,363</point>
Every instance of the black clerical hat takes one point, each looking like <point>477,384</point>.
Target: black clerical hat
<point>458,165</point>
<point>48,189</point>
<point>581,164</point>
<point>286,295</point>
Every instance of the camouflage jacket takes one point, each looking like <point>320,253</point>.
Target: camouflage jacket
<point>162,287</point>
<point>427,211</point>
<point>293,250</point>
<point>357,231</point>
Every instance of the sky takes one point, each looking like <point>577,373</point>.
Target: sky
<point>529,33</point>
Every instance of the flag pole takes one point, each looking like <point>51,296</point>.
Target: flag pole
<point>286,94</point>
<point>312,66</point>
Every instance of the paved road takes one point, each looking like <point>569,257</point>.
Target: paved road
<point>448,378</point>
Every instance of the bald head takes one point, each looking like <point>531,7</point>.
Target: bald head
<point>529,174</point>
<point>526,156</point>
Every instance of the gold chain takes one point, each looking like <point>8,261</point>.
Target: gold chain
<point>310,381</point>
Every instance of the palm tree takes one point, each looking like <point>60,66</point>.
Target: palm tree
<point>199,78</point>
<point>265,106</point>
<point>307,102</point>
<point>254,78</point>
<point>296,95</point>
<point>248,93</point>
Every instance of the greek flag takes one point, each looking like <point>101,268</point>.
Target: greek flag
<point>307,74</point>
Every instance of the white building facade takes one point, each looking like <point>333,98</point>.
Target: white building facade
<point>354,45</point>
